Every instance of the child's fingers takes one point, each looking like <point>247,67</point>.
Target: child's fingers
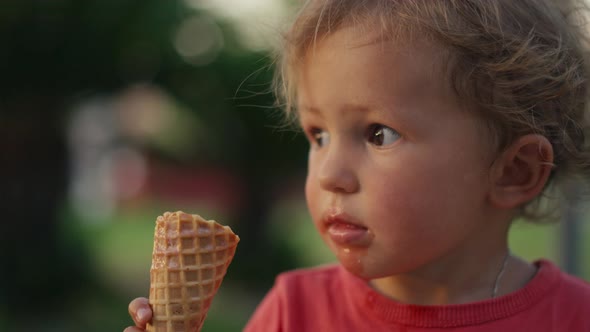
<point>133,329</point>
<point>140,311</point>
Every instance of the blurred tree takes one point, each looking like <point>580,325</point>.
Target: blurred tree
<point>57,52</point>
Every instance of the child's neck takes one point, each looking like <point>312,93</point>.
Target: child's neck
<point>464,282</point>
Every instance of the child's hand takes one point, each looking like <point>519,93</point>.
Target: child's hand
<point>141,313</point>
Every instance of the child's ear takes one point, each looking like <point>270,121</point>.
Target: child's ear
<point>520,173</point>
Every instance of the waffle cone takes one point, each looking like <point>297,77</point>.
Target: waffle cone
<point>189,261</point>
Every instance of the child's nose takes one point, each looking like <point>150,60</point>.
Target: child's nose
<point>337,172</point>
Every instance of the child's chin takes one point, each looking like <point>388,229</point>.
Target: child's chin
<point>352,259</point>
<point>357,268</point>
<point>364,271</point>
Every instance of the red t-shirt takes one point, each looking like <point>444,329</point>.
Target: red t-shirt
<point>329,298</point>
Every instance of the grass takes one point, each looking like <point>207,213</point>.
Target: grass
<point>533,241</point>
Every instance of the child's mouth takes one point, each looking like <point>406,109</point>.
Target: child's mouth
<point>345,233</point>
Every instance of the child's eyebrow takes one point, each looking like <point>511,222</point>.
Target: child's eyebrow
<point>346,107</point>
<point>308,109</point>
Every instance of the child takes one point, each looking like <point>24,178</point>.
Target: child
<point>433,125</point>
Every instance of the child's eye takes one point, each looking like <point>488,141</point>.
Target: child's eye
<point>381,135</point>
<point>319,137</point>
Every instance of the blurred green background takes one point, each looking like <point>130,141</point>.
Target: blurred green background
<point>114,111</point>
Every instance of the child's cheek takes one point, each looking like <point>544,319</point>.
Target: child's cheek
<point>312,194</point>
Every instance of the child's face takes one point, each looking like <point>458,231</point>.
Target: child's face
<point>398,173</point>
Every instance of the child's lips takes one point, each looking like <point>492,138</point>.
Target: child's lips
<point>344,231</point>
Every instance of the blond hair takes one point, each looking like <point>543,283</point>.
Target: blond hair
<point>521,64</point>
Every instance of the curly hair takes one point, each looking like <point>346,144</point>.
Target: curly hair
<point>520,64</point>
